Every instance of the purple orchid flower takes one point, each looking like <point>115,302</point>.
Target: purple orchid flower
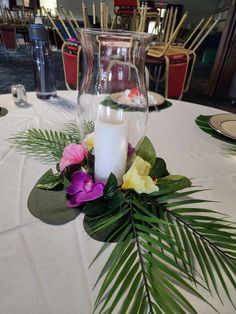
<point>83,189</point>
<point>131,150</point>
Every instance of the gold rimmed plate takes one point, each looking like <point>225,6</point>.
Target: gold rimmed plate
<point>225,124</point>
<point>155,99</point>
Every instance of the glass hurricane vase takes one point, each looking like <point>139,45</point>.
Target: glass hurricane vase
<point>113,95</point>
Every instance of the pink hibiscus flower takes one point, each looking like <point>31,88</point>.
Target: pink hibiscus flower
<point>83,189</point>
<point>73,154</point>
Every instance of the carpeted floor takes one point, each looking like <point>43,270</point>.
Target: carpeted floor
<point>18,70</point>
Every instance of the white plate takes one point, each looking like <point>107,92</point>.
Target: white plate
<point>159,99</point>
<point>225,124</point>
<point>122,98</point>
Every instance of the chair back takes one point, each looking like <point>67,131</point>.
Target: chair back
<point>209,24</point>
<point>118,70</point>
<point>126,3</point>
<point>70,58</point>
<point>85,15</point>
<point>8,34</point>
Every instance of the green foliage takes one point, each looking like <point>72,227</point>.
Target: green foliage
<point>51,206</point>
<point>230,150</point>
<point>159,169</point>
<point>160,248</point>
<point>107,102</point>
<point>50,181</point>
<point>164,241</point>
<point>174,182</point>
<point>48,145</point>
<point>114,105</point>
<point>203,123</point>
<point>42,144</point>
<point>161,242</point>
<point>146,151</point>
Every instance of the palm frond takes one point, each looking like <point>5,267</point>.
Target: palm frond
<point>73,131</point>
<point>48,145</point>
<point>230,150</point>
<point>166,246</point>
<point>88,127</point>
<point>43,144</point>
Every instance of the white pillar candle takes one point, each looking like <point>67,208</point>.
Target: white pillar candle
<point>111,145</point>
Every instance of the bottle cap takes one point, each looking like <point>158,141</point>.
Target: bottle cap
<point>38,32</point>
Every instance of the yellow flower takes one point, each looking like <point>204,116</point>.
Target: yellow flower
<point>89,141</point>
<point>137,177</point>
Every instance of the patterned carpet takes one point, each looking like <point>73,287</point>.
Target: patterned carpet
<point>18,70</point>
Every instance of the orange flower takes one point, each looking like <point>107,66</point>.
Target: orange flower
<point>133,93</point>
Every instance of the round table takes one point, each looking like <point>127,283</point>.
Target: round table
<point>44,268</point>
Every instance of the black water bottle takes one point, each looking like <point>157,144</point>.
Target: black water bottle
<point>42,62</point>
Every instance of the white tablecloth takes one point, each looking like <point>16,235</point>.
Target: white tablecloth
<point>44,268</point>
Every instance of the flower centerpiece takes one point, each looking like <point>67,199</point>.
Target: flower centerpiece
<point>107,170</point>
<point>160,240</point>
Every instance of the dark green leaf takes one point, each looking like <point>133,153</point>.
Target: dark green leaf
<point>125,283</point>
<point>104,229</point>
<point>50,181</point>
<point>131,294</point>
<point>146,151</point>
<point>174,181</point>
<point>111,186</point>
<point>140,296</point>
<point>51,206</point>
<point>159,169</point>
<point>120,278</point>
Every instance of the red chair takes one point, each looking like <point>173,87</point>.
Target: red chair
<point>177,65</point>
<point>125,10</point>
<point>11,36</point>
<point>8,36</point>
<point>70,58</point>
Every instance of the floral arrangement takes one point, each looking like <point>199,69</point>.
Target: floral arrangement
<point>162,239</point>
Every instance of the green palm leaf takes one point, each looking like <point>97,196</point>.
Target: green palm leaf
<point>166,244</point>
<point>230,150</point>
<point>47,145</point>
